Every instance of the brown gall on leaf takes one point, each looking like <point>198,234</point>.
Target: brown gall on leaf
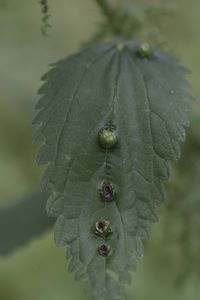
<point>104,250</point>
<point>107,192</point>
<point>103,228</point>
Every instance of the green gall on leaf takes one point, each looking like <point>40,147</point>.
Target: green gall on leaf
<point>107,138</point>
<point>120,47</point>
<point>144,50</point>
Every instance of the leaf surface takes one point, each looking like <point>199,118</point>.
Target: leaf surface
<point>144,100</point>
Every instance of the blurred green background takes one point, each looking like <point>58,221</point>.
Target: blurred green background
<point>171,266</point>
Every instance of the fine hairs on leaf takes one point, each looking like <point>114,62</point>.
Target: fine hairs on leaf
<point>110,119</point>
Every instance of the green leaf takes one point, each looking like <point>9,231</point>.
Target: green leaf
<point>22,221</point>
<point>141,96</point>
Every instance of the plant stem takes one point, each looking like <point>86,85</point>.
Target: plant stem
<point>108,11</point>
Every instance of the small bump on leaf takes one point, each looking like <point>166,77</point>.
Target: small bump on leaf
<point>144,50</point>
<point>104,250</point>
<point>103,227</point>
<point>107,138</point>
<point>107,192</point>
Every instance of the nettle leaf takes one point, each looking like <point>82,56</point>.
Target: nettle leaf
<point>110,119</point>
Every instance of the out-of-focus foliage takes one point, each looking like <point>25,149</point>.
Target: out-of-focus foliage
<point>181,216</point>
<point>3,3</point>
<point>45,16</point>
<point>17,169</point>
<point>136,19</point>
<point>23,221</point>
